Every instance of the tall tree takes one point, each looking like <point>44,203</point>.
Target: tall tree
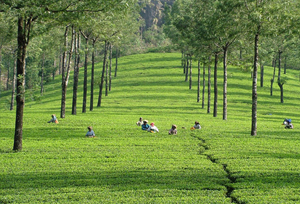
<point>86,36</point>
<point>66,68</point>
<point>103,73</point>
<point>93,74</point>
<point>76,73</point>
<point>262,19</point>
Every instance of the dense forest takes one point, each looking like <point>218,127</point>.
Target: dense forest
<point>42,39</point>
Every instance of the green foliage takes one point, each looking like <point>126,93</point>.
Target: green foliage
<point>124,164</point>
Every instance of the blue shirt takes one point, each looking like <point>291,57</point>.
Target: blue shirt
<point>145,127</point>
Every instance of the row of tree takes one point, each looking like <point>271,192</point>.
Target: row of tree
<point>206,29</point>
<point>49,37</point>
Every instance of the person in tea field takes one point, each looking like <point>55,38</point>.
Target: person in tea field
<point>196,126</point>
<point>91,132</point>
<point>173,130</point>
<point>288,124</point>
<point>140,122</point>
<point>145,125</point>
<point>153,128</point>
<point>53,119</point>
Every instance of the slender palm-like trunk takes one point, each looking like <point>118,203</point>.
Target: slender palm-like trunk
<point>209,86</point>
<point>102,76</point>
<point>198,84</point>
<point>216,86</point>
<point>254,85</point>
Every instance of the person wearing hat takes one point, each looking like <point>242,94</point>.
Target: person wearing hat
<point>54,119</point>
<point>196,126</point>
<point>90,133</point>
<point>145,125</point>
<point>153,128</point>
<point>173,130</point>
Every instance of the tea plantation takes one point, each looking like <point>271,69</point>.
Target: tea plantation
<point>221,163</point>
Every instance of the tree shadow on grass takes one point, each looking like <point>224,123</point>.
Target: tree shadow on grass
<point>115,180</point>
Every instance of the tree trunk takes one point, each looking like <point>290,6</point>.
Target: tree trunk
<point>187,68</point>
<point>190,84</point>
<point>110,65</point>
<point>8,69</point>
<point>203,86</point>
<point>209,86</point>
<point>254,86</point>
<point>13,85</point>
<point>184,64</point>
<point>63,70</point>
<point>76,74</point>
<point>261,75</point>
<point>198,84</point>
<point>42,74</point>
<point>0,67</point>
<point>225,52</point>
<point>216,86</point>
<point>280,83</point>
<point>116,68</point>
<point>92,77</point>
<point>182,59</point>
<point>85,76</point>
<point>54,66</point>
<point>61,56</point>
<point>66,71</point>
<point>106,78</point>
<point>24,26</point>
<point>272,80</point>
<point>103,72</point>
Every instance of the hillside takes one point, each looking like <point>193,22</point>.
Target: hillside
<point>221,163</point>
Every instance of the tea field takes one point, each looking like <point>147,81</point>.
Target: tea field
<point>221,163</point>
